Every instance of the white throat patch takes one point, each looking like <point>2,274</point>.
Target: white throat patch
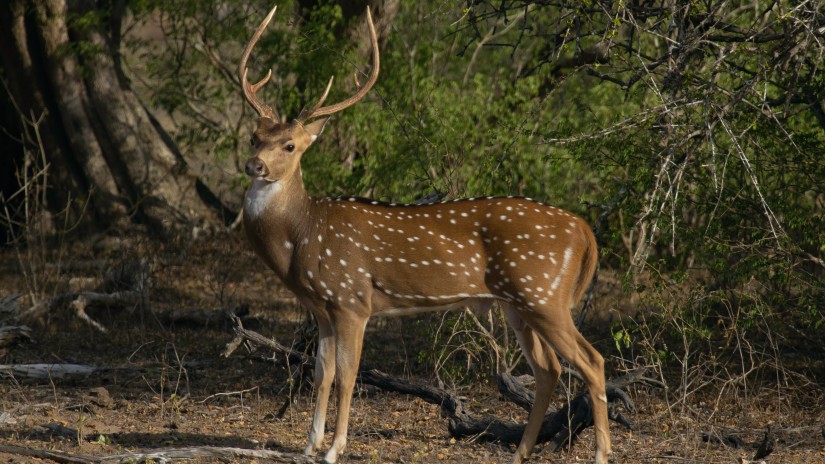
<point>259,195</point>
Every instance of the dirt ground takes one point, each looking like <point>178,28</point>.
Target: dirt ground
<point>162,384</point>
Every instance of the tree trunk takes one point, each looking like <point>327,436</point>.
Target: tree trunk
<point>24,74</point>
<point>99,140</point>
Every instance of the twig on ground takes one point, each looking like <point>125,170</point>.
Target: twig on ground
<point>233,393</point>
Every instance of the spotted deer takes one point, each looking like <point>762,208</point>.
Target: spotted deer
<point>347,259</point>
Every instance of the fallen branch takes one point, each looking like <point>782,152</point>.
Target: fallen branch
<point>223,453</point>
<point>515,390</point>
<point>161,455</point>
<point>242,334</point>
<point>46,371</point>
<point>232,393</point>
<point>56,456</point>
<point>299,363</point>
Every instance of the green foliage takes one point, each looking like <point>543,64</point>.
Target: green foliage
<point>622,338</point>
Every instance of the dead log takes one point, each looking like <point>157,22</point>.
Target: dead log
<point>46,371</point>
<point>51,455</point>
<point>225,454</point>
<point>562,426</point>
<point>515,390</point>
<point>210,453</point>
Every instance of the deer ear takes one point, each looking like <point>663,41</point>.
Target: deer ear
<point>316,127</point>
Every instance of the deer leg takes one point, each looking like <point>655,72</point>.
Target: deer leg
<point>324,373</point>
<point>562,335</point>
<point>349,338</point>
<point>546,370</point>
<point>598,396</point>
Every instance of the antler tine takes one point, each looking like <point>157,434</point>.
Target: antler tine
<point>249,90</point>
<point>317,111</point>
<point>263,81</point>
<point>308,112</point>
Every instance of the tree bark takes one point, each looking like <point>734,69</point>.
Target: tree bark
<point>24,74</point>
<point>99,140</point>
<point>72,107</point>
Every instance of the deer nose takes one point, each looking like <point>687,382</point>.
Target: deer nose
<point>255,168</point>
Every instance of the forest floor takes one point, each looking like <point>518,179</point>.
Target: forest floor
<point>162,385</point>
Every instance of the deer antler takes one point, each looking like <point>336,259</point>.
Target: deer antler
<point>249,90</point>
<point>316,111</point>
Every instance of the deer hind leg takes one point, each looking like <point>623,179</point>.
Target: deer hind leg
<point>349,338</point>
<point>324,373</point>
<point>562,335</point>
<point>546,370</point>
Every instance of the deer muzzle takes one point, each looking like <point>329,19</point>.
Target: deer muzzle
<point>255,168</point>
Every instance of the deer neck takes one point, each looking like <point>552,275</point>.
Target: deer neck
<point>277,215</point>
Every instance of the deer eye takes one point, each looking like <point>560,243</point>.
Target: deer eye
<point>290,148</point>
<point>252,141</point>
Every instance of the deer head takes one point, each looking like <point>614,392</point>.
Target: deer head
<point>278,146</point>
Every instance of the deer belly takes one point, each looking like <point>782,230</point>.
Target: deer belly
<point>479,303</point>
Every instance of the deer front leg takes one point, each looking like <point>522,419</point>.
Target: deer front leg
<point>324,373</point>
<point>349,338</point>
